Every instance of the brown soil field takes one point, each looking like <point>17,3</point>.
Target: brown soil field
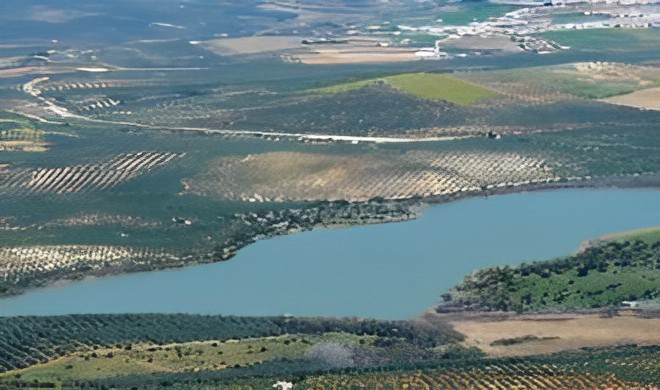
<point>646,98</point>
<point>555,331</point>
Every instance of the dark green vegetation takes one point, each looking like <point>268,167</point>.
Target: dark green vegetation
<point>619,40</point>
<point>279,345</point>
<point>582,369</point>
<point>149,212</point>
<point>600,276</point>
<point>155,351</point>
<point>109,114</point>
<point>156,151</point>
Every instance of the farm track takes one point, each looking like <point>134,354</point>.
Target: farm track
<point>32,88</point>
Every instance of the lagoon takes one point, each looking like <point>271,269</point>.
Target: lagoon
<point>388,271</point>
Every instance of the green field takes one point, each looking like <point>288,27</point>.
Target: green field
<point>430,86</point>
<point>133,359</point>
<point>649,235</point>
<point>622,40</point>
<point>591,80</point>
<point>603,275</point>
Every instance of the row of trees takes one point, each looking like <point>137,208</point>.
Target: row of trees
<point>25,341</point>
<point>610,365</point>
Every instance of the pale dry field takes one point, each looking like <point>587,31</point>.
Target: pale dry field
<point>251,45</point>
<point>565,331</point>
<point>355,55</point>
<point>312,13</point>
<point>356,50</point>
<point>496,42</point>
<point>646,98</point>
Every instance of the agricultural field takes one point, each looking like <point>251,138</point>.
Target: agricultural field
<point>586,80</point>
<point>133,359</point>
<point>186,194</point>
<point>102,345</point>
<point>185,350</point>
<point>153,135</point>
<point>424,86</point>
<point>88,177</point>
<point>21,135</point>
<point>598,370</point>
<point>645,99</point>
<point>616,40</point>
<point>508,334</point>
<point>295,176</point>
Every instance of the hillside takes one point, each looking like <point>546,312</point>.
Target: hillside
<point>600,276</point>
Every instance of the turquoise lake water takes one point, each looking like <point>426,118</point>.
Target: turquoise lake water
<point>385,271</point>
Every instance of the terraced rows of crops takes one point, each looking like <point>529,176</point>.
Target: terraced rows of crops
<point>20,264</point>
<point>84,177</point>
<point>469,380</point>
<point>18,135</point>
<point>68,85</point>
<point>31,339</point>
<point>608,369</point>
<point>314,176</point>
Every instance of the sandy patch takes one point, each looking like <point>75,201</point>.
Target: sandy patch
<point>562,331</point>
<point>646,98</point>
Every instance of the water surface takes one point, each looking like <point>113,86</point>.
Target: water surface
<point>384,271</point>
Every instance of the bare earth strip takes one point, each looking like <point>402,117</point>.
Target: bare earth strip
<point>561,331</point>
<point>646,98</point>
<point>356,55</point>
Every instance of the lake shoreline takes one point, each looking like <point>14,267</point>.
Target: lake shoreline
<point>284,268</point>
<point>415,206</point>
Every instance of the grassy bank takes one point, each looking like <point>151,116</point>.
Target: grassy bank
<point>600,276</point>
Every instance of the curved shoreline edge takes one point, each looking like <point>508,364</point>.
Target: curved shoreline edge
<point>401,211</point>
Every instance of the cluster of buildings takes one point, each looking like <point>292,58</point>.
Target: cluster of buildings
<point>522,24</point>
